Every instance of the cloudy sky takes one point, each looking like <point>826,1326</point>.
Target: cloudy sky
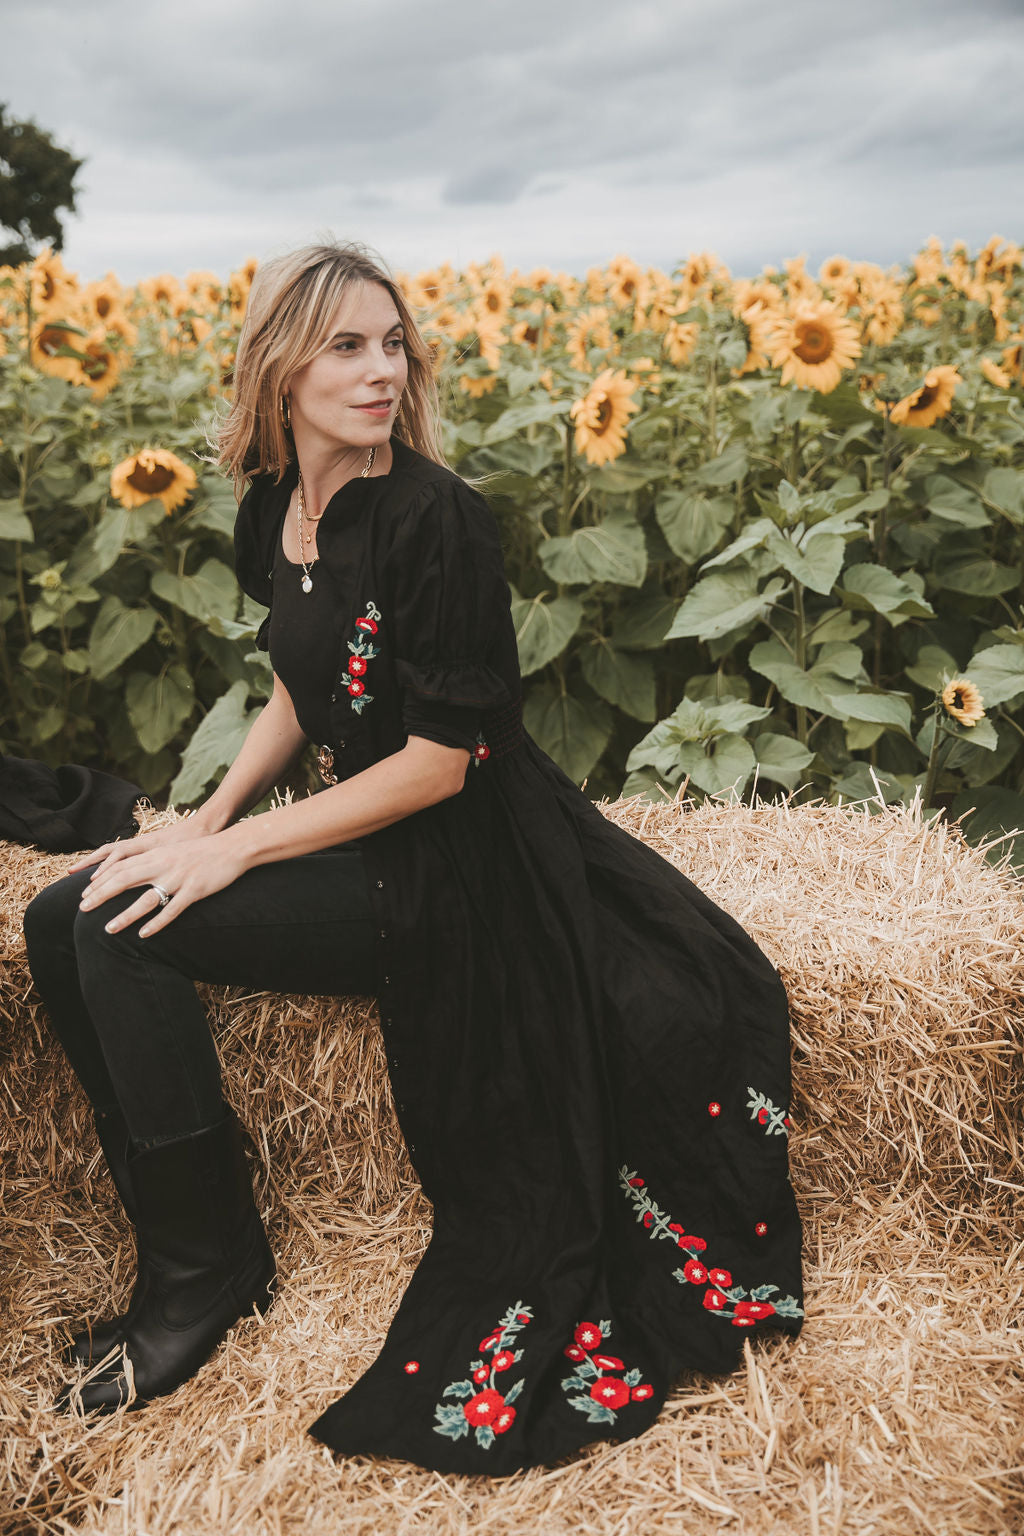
<point>557,132</point>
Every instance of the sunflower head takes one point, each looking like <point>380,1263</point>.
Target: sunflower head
<point>961,699</point>
<point>813,344</point>
<point>995,374</point>
<point>601,416</point>
<point>55,346</point>
<point>924,405</point>
<point>100,364</point>
<point>154,473</point>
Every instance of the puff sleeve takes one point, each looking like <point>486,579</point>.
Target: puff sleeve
<point>251,569</point>
<point>451,614</point>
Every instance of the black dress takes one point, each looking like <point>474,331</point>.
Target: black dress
<point>590,1059</point>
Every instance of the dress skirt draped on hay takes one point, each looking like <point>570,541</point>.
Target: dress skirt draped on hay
<point>589,1058</point>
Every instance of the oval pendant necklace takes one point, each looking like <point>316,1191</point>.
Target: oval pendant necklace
<point>307,580</point>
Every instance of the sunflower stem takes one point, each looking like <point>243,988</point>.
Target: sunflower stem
<point>932,770</point>
<point>565,515</point>
<point>800,655</point>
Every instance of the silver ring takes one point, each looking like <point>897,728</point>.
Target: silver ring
<point>165,896</point>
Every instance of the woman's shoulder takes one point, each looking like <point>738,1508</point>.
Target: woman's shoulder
<point>434,494</point>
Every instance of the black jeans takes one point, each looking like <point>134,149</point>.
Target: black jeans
<point>125,1009</point>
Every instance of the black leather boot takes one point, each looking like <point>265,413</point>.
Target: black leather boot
<point>95,1340</point>
<point>208,1264</point>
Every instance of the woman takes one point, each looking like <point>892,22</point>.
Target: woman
<point>590,1059</point>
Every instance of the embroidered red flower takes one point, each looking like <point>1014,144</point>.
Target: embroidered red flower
<point>505,1419</point>
<point>785,1121</point>
<point>588,1335</point>
<point>481,751</point>
<point>648,1218</point>
<point>574,1352</point>
<point>714,1109</point>
<point>411,1367</point>
<point>695,1272</point>
<point>636,1183</point>
<point>695,1244</point>
<point>522,1317</point>
<point>503,1359</point>
<point>761,1228</point>
<point>481,1374</point>
<point>610,1391</point>
<point>608,1363</point>
<point>762,1117</point>
<point>485,1407</point>
<point>638,1394</point>
<point>355,687</point>
<point>754,1309</point>
<point>492,1340</point>
<point>720,1277</point>
<point>743,1322</point>
<point>715,1301</point>
<point>356,665</point>
<point>368,624</point>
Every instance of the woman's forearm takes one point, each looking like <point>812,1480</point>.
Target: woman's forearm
<point>267,753</point>
<point>419,775</point>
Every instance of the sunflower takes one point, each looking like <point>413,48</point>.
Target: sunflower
<point>48,348</point>
<point>928,264</point>
<point>624,281</point>
<point>813,345</point>
<point>834,270</point>
<point>204,289</point>
<point>933,399</point>
<point>998,304</point>
<point>995,374</point>
<point>800,285</point>
<point>52,288</point>
<point>103,303</point>
<point>587,329</point>
<point>745,293</point>
<point>595,287</point>
<point>100,365</point>
<point>154,473</point>
<point>679,341</point>
<point>924,312</point>
<point>758,322</point>
<point>601,417</point>
<point>476,386</point>
<point>429,288</point>
<point>962,700</point>
<point>160,291</point>
<point>492,302</point>
<point>1013,358</point>
<point>884,320</point>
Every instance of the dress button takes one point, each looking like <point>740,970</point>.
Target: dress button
<point>383,933</point>
<point>334,698</point>
<point>380,885</point>
<point>387,981</point>
<point>341,743</point>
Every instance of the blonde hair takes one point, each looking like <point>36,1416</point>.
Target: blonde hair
<point>288,321</point>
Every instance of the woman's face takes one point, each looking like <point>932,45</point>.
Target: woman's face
<point>349,394</point>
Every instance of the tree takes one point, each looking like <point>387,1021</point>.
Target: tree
<point>36,180</point>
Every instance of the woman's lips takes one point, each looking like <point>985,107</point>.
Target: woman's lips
<point>377,408</point>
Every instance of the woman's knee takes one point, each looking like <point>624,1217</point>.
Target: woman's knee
<point>51,913</point>
<point>90,926</point>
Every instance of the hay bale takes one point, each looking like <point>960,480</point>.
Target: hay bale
<point>898,1408</point>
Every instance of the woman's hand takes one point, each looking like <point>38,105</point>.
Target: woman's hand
<point>187,868</point>
<point>184,830</point>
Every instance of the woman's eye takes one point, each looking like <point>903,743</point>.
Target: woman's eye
<point>398,342</point>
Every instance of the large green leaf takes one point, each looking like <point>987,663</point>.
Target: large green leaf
<point>212,592</point>
<point>955,503</point>
<point>215,744</point>
<point>816,563</point>
<point>973,572</point>
<point>720,763</point>
<point>14,525</point>
<point>691,522</point>
<point>543,630</point>
<point>879,708</point>
<point>216,508</point>
<point>932,665</point>
<point>573,733</point>
<point>694,722</point>
<point>813,687</point>
<point>781,758</point>
<point>1004,487</point>
<point>997,673</point>
<point>527,411</point>
<point>623,678</point>
<point>878,588</point>
<point>159,706</point>
<point>117,633</point>
<point>755,535</point>
<point>610,551</point>
<point>641,623</point>
<point>723,601</point>
<point>730,465</point>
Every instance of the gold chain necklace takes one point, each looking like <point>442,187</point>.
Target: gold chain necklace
<point>307,580</point>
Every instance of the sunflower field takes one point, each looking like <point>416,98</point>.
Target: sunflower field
<point>762,533</point>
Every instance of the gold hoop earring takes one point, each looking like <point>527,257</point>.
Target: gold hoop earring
<point>286,413</point>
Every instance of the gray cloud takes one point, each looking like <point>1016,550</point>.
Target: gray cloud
<point>557,131</point>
